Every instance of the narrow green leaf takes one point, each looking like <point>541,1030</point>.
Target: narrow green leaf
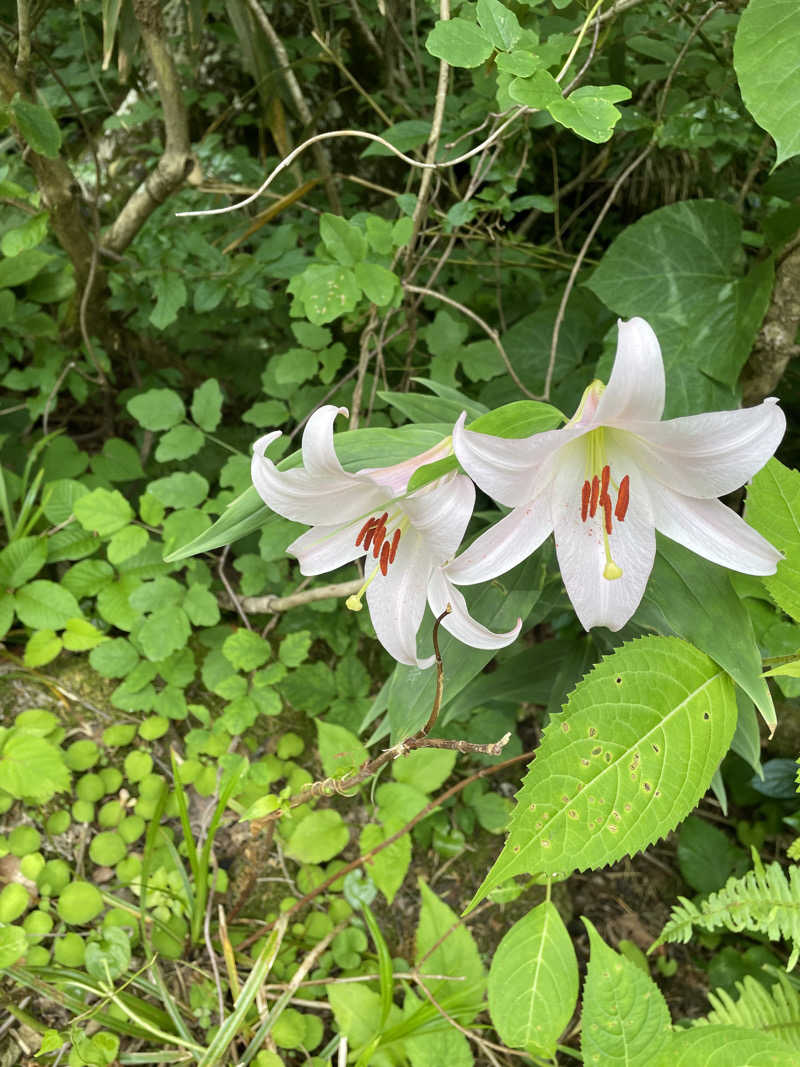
<point>533,981</point>
<point>37,126</point>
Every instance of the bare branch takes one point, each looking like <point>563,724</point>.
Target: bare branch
<point>177,161</point>
<point>487,329</point>
<point>775,345</point>
<point>296,93</point>
<point>263,605</point>
<point>433,140</point>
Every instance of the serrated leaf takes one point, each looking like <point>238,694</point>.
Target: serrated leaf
<point>533,981</point>
<point>80,636</point>
<point>632,752</point>
<point>171,297</point>
<point>773,508</point>
<point>58,498</point>
<point>625,1018</point>
<point>42,647</point>
<point>21,560</point>
<point>183,489</point>
<point>207,405</point>
<point>246,650</point>
<point>378,284</point>
<point>345,242</point>
<point>163,632</point>
<point>459,43</point>
<point>103,511</point>
<point>690,595</point>
<point>37,126</point>
<point>32,768</point>
<point>126,542</point>
<point>44,605</point>
<point>765,59</point>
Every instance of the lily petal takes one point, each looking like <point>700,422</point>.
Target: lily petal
<point>503,545</point>
<point>508,469</point>
<point>314,499</point>
<point>713,531</point>
<point>397,600</point>
<point>319,455</point>
<point>440,512</point>
<point>324,548</point>
<point>580,546</point>
<point>459,622</point>
<point>711,454</point>
<point>636,387</point>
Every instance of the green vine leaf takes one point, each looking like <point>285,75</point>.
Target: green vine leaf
<point>632,752</point>
<point>459,43</point>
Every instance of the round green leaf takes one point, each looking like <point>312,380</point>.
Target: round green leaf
<point>319,837</point>
<point>13,945</point>
<point>107,849</point>
<point>103,511</point>
<point>179,443</point>
<point>14,900</point>
<point>207,405</point>
<point>42,647</point>
<point>459,43</point>
<point>157,409</point>
<point>79,903</point>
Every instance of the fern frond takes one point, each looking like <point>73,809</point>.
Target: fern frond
<point>774,1010</point>
<point>763,901</point>
<point>793,851</point>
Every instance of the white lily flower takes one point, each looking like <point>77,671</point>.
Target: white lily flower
<point>605,482</point>
<point>408,535</point>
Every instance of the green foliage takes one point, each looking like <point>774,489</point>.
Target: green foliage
<point>625,1018</point>
<point>764,54</point>
<point>763,900</point>
<point>599,788</point>
<point>533,981</point>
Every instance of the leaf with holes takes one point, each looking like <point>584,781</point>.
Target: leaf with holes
<point>632,752</point>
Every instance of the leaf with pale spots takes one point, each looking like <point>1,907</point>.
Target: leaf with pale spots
<point>625,1017</point>
<point>629,757</point>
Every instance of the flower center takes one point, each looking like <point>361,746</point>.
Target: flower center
<point>595,497</point>
<point>375,535</point>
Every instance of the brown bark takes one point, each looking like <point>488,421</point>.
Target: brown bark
<point>775,344</point>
